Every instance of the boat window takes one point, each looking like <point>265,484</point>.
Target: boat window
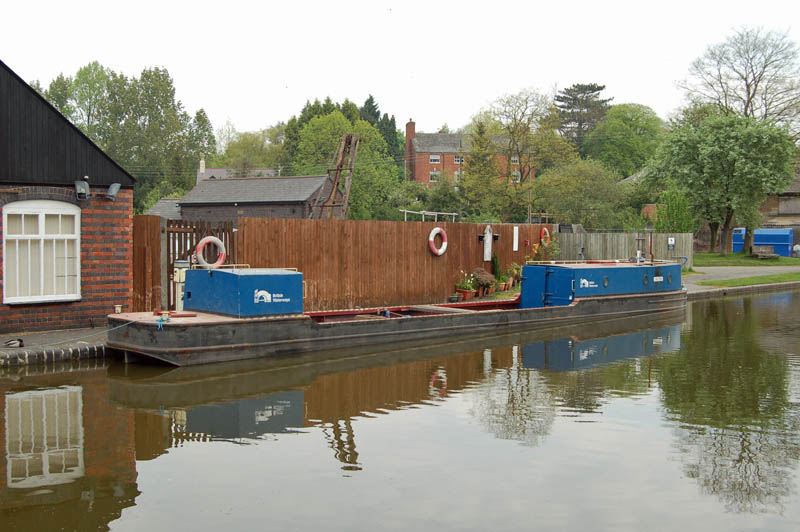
<point>669,278</point>
<point>644,279</point>
<point>605,281</point>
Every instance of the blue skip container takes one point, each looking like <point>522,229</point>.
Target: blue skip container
<point>244,293</point>
<point>781,240</point>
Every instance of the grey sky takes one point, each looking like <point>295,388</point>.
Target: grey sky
<point>437,61</point>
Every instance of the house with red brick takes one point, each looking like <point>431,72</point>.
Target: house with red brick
<point>430,157</point>
<point>67,218</point>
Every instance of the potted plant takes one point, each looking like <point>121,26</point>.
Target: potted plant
<point>484,280</point>
<point>466,286</point>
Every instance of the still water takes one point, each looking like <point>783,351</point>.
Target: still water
<point>688,422</point>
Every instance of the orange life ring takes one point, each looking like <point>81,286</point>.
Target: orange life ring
<point>544,237</point>
<point>432,241</point>
<point>439,374</point>
<point>198,251</point>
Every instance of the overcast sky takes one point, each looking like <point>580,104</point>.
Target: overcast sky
<point>435,61</point>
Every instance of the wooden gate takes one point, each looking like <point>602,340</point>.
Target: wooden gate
<point>146,263</point>
<point>182,239</point>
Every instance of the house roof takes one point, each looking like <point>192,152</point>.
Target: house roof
<point>449,142</point>
<point>225,173</point>
<point>254,190</point>
<point>166,208</point>
<point>38,145</point>
<point>438,142</point>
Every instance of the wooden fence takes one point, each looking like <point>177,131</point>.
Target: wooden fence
<point>147,282</point>
<point>349,263</point>
<point>598,246</point>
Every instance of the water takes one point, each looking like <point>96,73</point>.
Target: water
<point>686,422</point>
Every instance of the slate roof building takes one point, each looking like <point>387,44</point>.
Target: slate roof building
<point>67,218</point>
<point>253,197</point>
<point>432,156</point>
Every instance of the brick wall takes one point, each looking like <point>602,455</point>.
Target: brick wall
<point>106,254</point>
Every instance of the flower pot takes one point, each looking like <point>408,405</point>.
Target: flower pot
<point>454,298</point>
<point>480,291</point>
<point>466,294</point>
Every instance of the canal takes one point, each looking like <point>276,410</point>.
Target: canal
<point>684,422</point>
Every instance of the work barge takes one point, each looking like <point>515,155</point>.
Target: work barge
<point>243,313</point>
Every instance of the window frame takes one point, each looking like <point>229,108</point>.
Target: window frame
<point>41,208</point>
<point>514,159</point>
<point>431,158</point>
<point>458,159</point>
<point>433,173</point>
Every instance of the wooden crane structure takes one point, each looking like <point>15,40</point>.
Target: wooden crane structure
<point>325,208</point>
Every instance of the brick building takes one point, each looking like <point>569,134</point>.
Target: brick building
<point>67,211</point>
<point>222,200</point>
<point>430,157</point>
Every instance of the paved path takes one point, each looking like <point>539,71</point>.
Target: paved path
<point>716,273</point>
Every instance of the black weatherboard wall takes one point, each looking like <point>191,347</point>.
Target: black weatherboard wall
<point>53,152</point>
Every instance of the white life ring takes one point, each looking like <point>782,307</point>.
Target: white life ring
<point>432,241</point>
<point>198,251</point>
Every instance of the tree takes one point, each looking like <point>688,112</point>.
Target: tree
<point>480,187</point>
<point>548,146</point>
<point>674,214</point>
<point>518,116</point>
<point>89,94</point>
<point>584,191</point>
<point>726,165</point>
<point>60,93</point>
<point>375,177</point>
<point>754,73</point>
<point>370,111</point>
<point>581,109</point>
<point>626,138</point>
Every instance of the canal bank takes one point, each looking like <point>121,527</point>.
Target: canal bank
<point>46,347</point>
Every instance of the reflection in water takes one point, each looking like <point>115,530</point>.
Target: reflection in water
<point>69,454</point>
<point>720,400</point>
<point>728,396</point>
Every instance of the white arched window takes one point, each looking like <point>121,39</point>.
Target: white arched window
<point>41,252</point>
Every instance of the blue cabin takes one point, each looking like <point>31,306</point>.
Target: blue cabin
<point>546,285</point>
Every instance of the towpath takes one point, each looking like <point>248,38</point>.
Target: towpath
<point>43,347</point>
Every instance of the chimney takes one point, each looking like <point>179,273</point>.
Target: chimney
<point>201,174</point>
<point>410,134</point>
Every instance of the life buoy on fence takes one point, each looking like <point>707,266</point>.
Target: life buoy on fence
<point>432,241</point>
<point>544,237</point>
<point>198,251</point>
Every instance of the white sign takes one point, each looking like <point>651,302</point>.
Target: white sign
<point>658,279</point>
<point>487,243</point>
<point>515,247</point>
<point>586,283</point>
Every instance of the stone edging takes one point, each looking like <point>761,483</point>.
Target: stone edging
<point>712,293</point>
<point>24,357</point>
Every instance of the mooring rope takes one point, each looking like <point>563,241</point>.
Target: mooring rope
<point>70,340</point>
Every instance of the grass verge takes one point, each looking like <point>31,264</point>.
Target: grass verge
<point>750,281</point>
<point>740,259</point>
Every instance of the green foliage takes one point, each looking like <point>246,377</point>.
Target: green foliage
<point>727,164</point>
<point>480,188</point>
<point>370,111</point>
<point>674,214</point>
<point>626,138</point>
<point>482,277</point>
<point>139,123</point>
<point>443,198</point>
<point>701,260</point>
<point>548,146</point>
<point>495,264</point>
<point>584,191</point>
<point>581,109</point>
<point>550,252</point>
